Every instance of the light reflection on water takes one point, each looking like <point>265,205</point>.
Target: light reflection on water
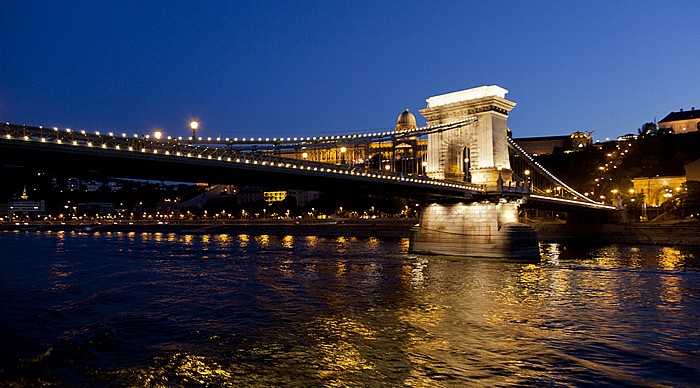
<point>148,310</point>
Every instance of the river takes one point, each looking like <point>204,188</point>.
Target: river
<point>155,309</point>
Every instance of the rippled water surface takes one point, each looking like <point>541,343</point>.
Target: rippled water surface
<point>170,310</point>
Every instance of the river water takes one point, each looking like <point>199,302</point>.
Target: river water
<point>126,309</point>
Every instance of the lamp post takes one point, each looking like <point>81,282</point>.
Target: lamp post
<point>527,177</point>
<point>194,124</point>
<point>157,134</point>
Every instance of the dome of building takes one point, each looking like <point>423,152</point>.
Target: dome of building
<point>406,121</point>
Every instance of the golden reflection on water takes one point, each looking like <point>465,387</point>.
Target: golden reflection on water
<point>263,240</point>
<point>340,340</point>
<point>671,292</point>
<point>311,241</point>
<point>288,242</point>
<point>206,238</point>
<point>224,239</point>
<point>635,257</point>
<point>341,269</point>
<point>180,369</point>
<point>243,240</point>
<point>405,245</point>
<point>670,258</point>
<point>188,239</point>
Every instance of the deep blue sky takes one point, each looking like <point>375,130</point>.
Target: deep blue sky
<point>268,68</point>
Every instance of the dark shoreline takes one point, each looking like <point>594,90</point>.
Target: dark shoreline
<point>685,233</point>
<point>652,233</point>
<point>381,227</point>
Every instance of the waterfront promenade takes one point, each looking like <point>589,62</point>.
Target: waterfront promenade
<point>379,227</point>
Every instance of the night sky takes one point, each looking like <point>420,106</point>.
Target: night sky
<point>287,68</point>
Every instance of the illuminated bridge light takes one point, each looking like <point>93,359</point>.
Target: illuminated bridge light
<point>155,151</point>
<point>167,152</point>
<point>116,146</point>
<point>143,150</point>
<point>219,158</point>
<point>8,136</point>
<point>131,148</point>
<point>229,159</point>
<point>83,131</point>
<point>68,130</point>
<point>111,134</point>
<point>43,140</point>
<point>26,137</point>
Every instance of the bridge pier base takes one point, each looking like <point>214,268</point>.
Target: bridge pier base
<point>475,230</point>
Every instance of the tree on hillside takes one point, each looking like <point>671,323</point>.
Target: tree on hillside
<point>648,129</point>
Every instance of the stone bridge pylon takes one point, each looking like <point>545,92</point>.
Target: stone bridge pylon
<point>476,152</point>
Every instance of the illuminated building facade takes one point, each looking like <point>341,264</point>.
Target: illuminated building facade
<point>657,190</point>
<point>681,122</point>
<point>405,154</point>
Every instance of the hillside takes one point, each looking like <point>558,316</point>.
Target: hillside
<point>616,164</point>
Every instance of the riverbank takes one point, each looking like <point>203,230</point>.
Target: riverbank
<point>380,227</point>
<point>685,232</point>
<point>672,232</point>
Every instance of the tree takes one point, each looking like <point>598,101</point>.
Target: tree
<point>648,129</point>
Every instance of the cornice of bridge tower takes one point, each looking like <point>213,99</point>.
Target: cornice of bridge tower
<point>455,106</point>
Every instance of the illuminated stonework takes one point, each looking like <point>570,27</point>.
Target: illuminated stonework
<point>477,151</point>
<point>474,230</point>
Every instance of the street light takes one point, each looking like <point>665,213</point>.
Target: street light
<point>157,134</point>
<point>194,124</point>
<point>527,177</point>
<point>342,155</point>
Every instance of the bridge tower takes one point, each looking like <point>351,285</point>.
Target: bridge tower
<point>476,152</point>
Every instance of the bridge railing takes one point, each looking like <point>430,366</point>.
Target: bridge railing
<point>175,148</point>
<point>543,184</point>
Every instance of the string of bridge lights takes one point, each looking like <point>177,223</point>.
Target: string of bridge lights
<point>549,174</point>
<point>275,164</point>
